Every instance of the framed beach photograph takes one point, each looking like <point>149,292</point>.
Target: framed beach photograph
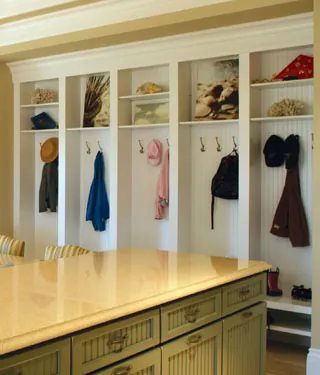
<point>97,101</point>
<point>217,90</point>
<point>155,113</point>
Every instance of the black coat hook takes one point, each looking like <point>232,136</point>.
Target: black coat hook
<point>88,148</point>
<point>235,146</point>
<point>141,147</point>
<point>202,149</point>
<point>168,142</point>
<point>100,148</point>
<point>219,148</point>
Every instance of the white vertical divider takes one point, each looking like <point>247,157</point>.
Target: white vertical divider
<point>114,160</point>
<point>174,155</point>
<point>16,161</point>
<point>244,156</point>
<point>62,162</point>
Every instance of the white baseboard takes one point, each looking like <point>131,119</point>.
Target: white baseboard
<point>313,362</point>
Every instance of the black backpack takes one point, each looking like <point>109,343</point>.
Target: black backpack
<point>225,183</point>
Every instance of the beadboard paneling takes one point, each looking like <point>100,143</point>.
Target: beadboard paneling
<point>223,240</point>
<point>294,263</point>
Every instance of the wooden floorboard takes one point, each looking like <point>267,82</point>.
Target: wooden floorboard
<point>284,359</point>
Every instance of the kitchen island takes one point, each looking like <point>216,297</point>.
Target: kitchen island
<point>134,311</point>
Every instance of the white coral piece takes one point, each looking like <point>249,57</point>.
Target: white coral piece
<point>286,107</point>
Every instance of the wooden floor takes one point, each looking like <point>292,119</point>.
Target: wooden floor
<point>283,359</point>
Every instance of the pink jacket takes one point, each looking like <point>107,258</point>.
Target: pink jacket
<point>162,193</point>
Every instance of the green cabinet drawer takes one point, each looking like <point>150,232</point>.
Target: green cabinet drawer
<point>100,347</point>
<point>198,353</point>
<point>244,342</point>
<point>144,364</point>
<point>50,359</point>
<point>242,294</point>
<point>194,312</point>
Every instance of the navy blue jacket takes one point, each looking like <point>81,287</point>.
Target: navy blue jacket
<point>98,203</point>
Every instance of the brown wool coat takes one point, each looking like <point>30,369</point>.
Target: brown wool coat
<point>290,219</point>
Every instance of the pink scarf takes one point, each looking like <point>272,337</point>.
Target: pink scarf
<point>162,193</point>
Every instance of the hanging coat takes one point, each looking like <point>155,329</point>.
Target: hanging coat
<point>290,218</point>
<point>48,192</point>
<point>98,203</point>
<point>162,192</point>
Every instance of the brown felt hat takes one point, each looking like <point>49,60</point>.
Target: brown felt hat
<point>50,150</point>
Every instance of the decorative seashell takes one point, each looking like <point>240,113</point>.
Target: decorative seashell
<point>207,100</point>
<point>148,88</point>
<point>202,110</point>
<point>286,107</point>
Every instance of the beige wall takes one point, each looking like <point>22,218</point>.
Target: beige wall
<point>316,186</point>
<point>6,151</point>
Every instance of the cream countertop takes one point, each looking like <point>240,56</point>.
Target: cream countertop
<point>44,300</point>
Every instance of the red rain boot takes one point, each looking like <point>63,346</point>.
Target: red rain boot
<point>273,279</point>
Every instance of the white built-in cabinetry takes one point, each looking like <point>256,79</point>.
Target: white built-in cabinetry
<point>241,227</point>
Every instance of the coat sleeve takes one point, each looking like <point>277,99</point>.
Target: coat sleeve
<point>53,186</point>
<point>43,191</point>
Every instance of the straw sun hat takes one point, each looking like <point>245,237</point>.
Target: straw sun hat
<point>50,150</point>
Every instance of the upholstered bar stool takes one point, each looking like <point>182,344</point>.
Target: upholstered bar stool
<point>57,252</point>
<point>11,246</point>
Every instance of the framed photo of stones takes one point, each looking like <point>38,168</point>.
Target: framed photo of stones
<point>97,101</point>
<point>217,90</point>
<point>155,113</point>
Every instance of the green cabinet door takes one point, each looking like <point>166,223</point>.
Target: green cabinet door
<point>198,353</point>
<point>244,342</point>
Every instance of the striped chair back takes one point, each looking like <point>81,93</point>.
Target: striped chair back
<point>57,252</point>
<point>11,246</point>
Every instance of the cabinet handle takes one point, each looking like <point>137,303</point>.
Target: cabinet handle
<point>194,339</point>
<point>247,315</point>
<point>191,315</point>
<point>118,341</point>
<point>122,370</point>
<point>244,292</point>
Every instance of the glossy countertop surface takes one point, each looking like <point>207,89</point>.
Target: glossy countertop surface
<point>44,300</point>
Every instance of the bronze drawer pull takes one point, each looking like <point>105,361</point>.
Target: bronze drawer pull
<point>247,315</point>
<point>122,370</point>
<point>244,292</point>
<point>117,341</point>
<point>191,315</point>
<point>194,339</point>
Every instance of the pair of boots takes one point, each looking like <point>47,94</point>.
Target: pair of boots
<point>273,280</point>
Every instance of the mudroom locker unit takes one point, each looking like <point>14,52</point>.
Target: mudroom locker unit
<point>181,65</point>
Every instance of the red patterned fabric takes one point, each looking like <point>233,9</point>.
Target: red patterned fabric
<point>301,67</point>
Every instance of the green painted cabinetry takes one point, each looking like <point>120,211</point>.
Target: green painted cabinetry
<point>244,342</point>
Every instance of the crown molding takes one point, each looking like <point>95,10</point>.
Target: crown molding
<point>90,16</point>
<point>227,41</point>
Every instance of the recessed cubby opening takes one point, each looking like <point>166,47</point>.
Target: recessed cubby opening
<point>137,190</point>
<point>81,151</point>
<point>264,65</point>
<point>202,144</point>
<point>37,228</point>
<point>150,109</point>
<point>268,183</point>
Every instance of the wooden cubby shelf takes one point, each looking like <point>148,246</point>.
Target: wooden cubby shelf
<point>214,122</point>
<point>283,118</point>
<point>40,131</point>
<point>159,95</point>
<point>94,129</point>
<point>283,84</point>
<point>149,126</point>
<point>43,105</point>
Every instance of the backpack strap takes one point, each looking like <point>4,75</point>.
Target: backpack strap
<point>212,211</point>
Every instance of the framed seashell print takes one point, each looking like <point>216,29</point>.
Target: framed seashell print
<point>217,90</point>
<point>97,101</point>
